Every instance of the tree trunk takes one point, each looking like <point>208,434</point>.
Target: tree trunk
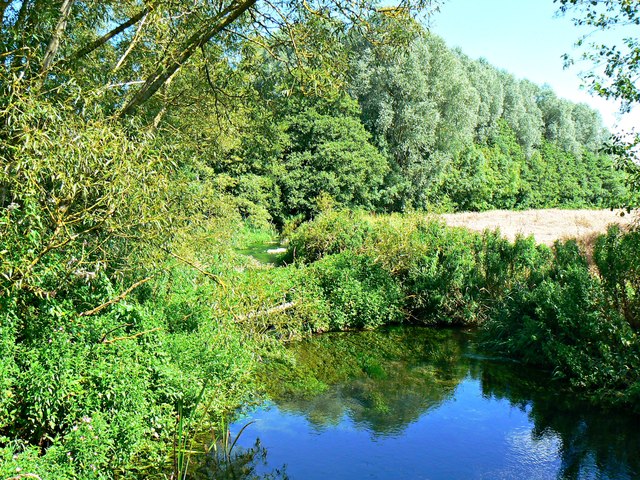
<point>164,72</point>
<point>54,43</point>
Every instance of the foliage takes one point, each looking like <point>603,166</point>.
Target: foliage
<point>136,136</point>
<point>358,291</point>
<point>566,319</point>
<point>615,69</point>
<point>419,107</point>
<point>616,256</point>
<point>328,155</point>
<point>98,394</point>
<point>544,307</point>
<point>619,79</point>
<point>447,276</point>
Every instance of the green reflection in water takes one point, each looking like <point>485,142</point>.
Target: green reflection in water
<point>387,380</point>
<point>384,379</point>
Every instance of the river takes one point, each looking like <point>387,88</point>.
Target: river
<point>419,403</point>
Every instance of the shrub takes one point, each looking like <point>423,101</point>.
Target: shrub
<point>617,255</point>
<point>561,321</point>
<point>333,231</point>
<point>359,293</point>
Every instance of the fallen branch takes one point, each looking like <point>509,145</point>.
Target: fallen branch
<point>131,337</point>
<point>99,308</point>
<point>259,313</point>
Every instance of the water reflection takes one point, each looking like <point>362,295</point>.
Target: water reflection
<point>592,443</point>
<point>419,403</point>
<point>246,463</point>
<point>381,382</point>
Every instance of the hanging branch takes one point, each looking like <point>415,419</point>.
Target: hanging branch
<point>134,40</point>
<point>87,49</point>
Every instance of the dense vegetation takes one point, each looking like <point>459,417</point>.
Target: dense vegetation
<point>139,141</point>
<point>547,307</point>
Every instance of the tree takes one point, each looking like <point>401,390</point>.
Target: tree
<point>421,110</point>
<point>328,155</point>
<point>557,115</point>
<point>486,80</point>
<point>619,77</point>
<point>589,130</point>
<point>521,111</point>
<point>130,50</point>
<point>398,109</point>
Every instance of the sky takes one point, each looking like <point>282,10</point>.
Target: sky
<point>527,39</point>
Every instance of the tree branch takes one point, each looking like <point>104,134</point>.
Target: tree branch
<point>54,43</point>
<point>130,337</point>
<point>99,308</point>
<point>174,63</point>
<point>87,49</point>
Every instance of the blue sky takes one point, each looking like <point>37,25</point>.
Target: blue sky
<point>526,38</point>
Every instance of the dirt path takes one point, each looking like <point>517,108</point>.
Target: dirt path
<point>546,226</point>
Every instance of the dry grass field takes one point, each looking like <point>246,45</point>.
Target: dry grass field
<point>546,226</point>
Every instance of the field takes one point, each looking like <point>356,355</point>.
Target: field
<point>546,226</point>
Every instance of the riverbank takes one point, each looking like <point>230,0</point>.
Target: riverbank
<point>559,308</point>
<point>125,387</point>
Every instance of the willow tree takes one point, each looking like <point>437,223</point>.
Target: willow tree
<point>486,80</point>
<point>521,111</point>
<point>420,107</point>
<point>132,49</point>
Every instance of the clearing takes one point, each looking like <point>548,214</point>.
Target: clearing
<point>546,226</point>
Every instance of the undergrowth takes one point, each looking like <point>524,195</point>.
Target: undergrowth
<point>116,391</point>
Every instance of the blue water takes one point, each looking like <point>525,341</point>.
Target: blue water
<point>425,418</point>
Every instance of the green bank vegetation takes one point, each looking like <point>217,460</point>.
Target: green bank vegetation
<point>546,307</point>
<point>143,143</point>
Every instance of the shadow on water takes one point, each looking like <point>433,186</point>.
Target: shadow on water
<point>592,443</point>
<point>351,405</point>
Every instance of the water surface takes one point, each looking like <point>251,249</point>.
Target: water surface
<point>421,404</point>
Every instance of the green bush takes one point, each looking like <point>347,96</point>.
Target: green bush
<point>333,231</point>
<point>617,255</point>
<point>448,276</point>
<point>561,320</point>
<point>359,293</point>
<point>441,282</point>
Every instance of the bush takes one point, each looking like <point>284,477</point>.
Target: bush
<point>561,320</point>
<point>617,255</point>
<point>448,276</point>
<point>359,293</point>
<point>333,231</point>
